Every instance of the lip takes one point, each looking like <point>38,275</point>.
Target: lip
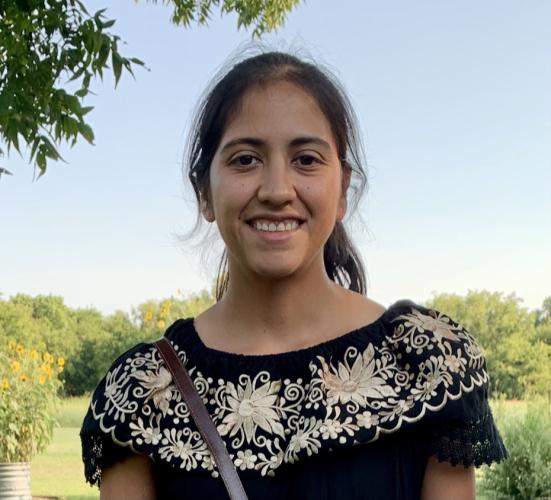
<point>274,236</point>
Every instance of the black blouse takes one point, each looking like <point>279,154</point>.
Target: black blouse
<point>354,417</point>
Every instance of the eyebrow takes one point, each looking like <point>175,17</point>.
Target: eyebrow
<point>254,141</point>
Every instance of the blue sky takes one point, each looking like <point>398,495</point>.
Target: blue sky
<point>454,102</point>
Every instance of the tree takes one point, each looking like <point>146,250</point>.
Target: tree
<point>42,43</point>
<point>518,361</point>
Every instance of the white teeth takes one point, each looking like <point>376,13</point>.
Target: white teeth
<point>272,227</point>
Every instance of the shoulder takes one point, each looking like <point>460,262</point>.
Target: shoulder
<point>435,348</point>
<point>448,383</point>
<point>135,378</point>
<point>133,395</point>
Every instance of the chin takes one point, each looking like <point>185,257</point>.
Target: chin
<point>274,271</point>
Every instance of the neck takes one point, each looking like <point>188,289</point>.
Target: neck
<point>269,313</point>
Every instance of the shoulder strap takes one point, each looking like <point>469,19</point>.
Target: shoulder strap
<point>202,419</point>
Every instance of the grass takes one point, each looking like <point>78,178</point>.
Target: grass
<point>59,471</point>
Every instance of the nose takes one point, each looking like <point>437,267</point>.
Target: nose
<point>276,184</point>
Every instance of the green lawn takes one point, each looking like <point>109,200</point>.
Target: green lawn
<point>59,471</point>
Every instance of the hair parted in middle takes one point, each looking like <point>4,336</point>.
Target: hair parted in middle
<point>342,262</point>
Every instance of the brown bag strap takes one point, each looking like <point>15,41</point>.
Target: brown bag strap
<point>202,419</point>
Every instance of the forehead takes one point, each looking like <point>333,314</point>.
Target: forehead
<point>278,111</point>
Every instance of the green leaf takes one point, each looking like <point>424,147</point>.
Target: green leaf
<point>86,132</point>
<point>36,142</point>
<point>116,60</point>
<point>78,74</point>
<point>50,150</point>
<point>137,61</point>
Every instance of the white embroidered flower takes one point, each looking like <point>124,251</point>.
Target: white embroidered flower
<point>208,462</point>
<point>184,445</point>
<point>330,429</point>
<point>149,435</point>
<point>245,459</point>
<point>366,419</point>
<point>250,408</point>
<point>427,388</point>
<point>398,409</point>
<point>158,385</point>
<point>355,383</point>
<point>439,326</point>
<point>455,364</point>
<point>304,438</point>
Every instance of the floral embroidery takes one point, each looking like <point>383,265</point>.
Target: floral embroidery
<point>425,360</point>
<point>250,408</point>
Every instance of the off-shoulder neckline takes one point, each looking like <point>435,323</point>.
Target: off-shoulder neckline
<point>324,346</point>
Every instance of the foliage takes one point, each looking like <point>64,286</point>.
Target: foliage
<point>527,473</point>
<point>519,360</point>
<point>40,43</point>
<point>28,398</point>
<point>266,16</point>
<point>88,340</point>
<point>43,42</point>
<point>154,316</point>
<point>543,321</point>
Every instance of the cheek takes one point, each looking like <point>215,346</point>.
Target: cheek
<point>322,197</point>
<point>231,195</point>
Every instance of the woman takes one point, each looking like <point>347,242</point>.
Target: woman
<point>316,390</point>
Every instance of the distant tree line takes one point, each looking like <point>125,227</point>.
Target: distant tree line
<point>87,339</point>
<point>515,340</point>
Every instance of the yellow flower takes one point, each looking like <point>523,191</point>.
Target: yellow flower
<point>160,323</point>
<point>60,362</point>
<point>42,379</point>
<point>148,315</point>
<point>33,354</point>
<point>20,349</point>
<point>15,366</point>
<point>46,368</point>
<point>24,378</point>
<point>12,344</point>
<point>5,384</point>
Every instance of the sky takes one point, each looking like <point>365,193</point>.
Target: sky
<point>454,104</point>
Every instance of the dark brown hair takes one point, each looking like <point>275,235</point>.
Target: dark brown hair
<point>342,261</point>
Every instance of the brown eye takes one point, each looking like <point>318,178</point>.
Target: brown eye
<point>307,160</point>
<point>244,160</point>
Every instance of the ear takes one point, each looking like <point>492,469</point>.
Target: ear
<point>343,204</point>
<point>206,209</point>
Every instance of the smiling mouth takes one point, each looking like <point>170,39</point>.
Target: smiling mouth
<point>275,227</point>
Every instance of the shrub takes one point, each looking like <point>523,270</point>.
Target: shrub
<point>28,399</point>
<point>527,473</point>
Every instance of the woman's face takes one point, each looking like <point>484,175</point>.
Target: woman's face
<point>276,165</point>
